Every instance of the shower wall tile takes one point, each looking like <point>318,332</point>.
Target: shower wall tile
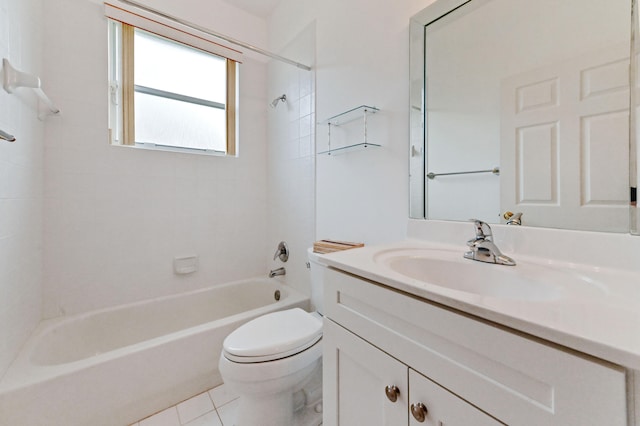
<point>305,125</point>
<point>21,188</point>
<point>305,105</point>
<point>360,196</point>
<point>117,216</point>
<point>291,162</point>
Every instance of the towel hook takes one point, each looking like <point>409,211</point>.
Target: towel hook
<point>7,137</point>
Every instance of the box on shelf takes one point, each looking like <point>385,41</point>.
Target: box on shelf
<point>330,246</point>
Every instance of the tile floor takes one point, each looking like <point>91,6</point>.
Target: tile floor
<point>215,407</point>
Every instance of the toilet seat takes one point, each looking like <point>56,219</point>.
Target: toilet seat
<point>273,336</point>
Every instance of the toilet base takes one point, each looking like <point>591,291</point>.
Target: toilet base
<point>300,408</point>
<point>309,416</point>
<point>254,416</point>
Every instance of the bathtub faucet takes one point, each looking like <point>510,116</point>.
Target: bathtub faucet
<point>276,272</point>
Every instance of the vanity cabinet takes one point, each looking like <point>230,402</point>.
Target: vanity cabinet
<point>464,370</point>
<point>356,394</point>
<point>374,389</point>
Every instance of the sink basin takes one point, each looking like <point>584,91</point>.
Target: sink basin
<point>448,269</point>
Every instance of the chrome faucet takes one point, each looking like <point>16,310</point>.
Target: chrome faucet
<point>276,272</point>
<point>282,252</point>
<point>483,248</point>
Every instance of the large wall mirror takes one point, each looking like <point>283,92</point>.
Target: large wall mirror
<point>522,106</point>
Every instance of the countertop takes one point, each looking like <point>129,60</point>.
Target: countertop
<point>596,311</point>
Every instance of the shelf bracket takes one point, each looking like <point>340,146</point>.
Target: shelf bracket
<point>13,79</point>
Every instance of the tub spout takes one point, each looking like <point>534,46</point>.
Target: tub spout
<point>276,272</point>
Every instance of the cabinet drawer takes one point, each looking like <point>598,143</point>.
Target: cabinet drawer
<point>513,378</point>
<point>443,408</point>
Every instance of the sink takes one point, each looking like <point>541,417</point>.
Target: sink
<point>448,269</point>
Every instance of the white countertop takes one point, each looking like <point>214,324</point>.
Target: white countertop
<point>602,319</point>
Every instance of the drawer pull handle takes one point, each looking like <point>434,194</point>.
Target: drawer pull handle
<point>392,392</point>
<point>419,411</point>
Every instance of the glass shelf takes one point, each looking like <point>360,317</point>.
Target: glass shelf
<point>351,115</point>
<point>349,148</point>
<point>358,113</point>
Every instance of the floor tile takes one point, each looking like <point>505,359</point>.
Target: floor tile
<point>221,395</point>
<point>194,407</point>
<point>228,412</point>
<point>209,419</point>
<point>168,417</point>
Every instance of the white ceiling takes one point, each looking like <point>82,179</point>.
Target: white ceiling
<point>262,8</point>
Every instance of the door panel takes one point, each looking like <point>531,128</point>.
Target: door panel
<point>564,143</point>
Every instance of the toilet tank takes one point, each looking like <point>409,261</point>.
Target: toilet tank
<point>317,268</point>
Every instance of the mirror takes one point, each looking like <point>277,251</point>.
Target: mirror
<point>634,153</point>
<point>522,106</point>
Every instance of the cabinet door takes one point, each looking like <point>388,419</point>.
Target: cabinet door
<point>355,375</point>
<point>442,407</point>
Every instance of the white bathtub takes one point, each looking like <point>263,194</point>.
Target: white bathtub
<point>115,366</point>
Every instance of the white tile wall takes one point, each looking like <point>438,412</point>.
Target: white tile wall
<point>362,57</point>
<point>291,159</point>
<point>116,216</point>
<point>21,169</point>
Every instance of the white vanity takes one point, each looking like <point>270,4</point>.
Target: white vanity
<point>416,334</point>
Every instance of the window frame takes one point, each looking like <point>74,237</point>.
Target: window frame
<point>123,89</point>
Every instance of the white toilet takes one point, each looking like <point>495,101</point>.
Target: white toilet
<point>274,363</point>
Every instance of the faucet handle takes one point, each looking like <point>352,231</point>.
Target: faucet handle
<point>483,230</point>
<point>282,252</point>
<point>483,248</point>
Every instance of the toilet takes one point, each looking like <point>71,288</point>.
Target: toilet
<point>274,363</point>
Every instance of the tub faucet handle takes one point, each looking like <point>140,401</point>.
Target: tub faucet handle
<point>282,252</point>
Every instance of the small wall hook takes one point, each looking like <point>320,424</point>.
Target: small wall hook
<point>7,137</point>
<point>13,79</point>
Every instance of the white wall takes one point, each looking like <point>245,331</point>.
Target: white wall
<point>115,217</point>
<point>291,163</point>
<point>21,165</point>
<point>362,57</point>
<point>217,15</point>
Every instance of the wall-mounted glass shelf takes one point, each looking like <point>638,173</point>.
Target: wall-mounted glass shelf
<point>349,148</point>
<point>350,115</point>
<point>360,112</point>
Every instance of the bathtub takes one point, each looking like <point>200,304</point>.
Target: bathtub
<point>117,365</point>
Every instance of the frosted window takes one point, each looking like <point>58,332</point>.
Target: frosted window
<point>170,122</point>
<point>168,95</point>
<point>180,95</point>
<point>166,65</point>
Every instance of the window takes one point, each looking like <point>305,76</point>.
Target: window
<point>166,94</point>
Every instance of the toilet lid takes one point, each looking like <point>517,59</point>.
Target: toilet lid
<point>273,336</point>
